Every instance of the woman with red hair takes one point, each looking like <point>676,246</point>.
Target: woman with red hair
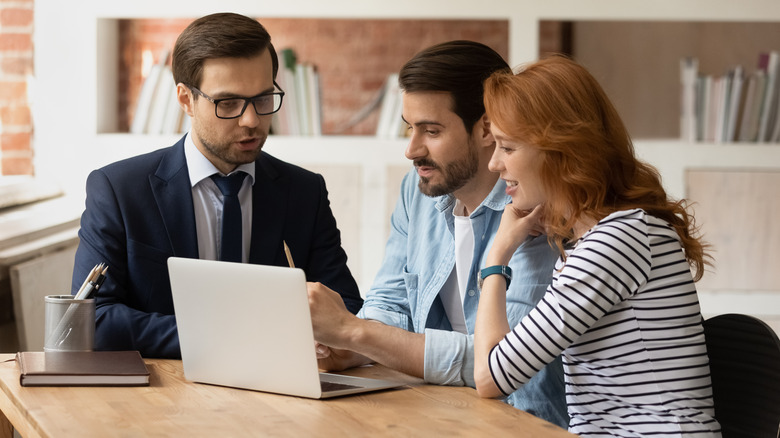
<point>622,308</point>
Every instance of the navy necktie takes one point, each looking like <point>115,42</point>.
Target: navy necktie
<point>231,245</point>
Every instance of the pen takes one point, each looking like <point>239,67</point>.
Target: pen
<point>92,287</point>
<point>92,282</point>
<point>90,277</point>
<point>287,253</point>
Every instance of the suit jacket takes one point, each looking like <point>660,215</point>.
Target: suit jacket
<point>139,212</point>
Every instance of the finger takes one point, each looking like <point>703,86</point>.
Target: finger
<point>322,351</point>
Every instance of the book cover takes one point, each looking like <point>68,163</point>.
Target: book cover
<point>775,137</point>
<point>145,99</point>
<point>280,123</point>
<point>706,110</point>
<point>689,68</point>
<point>302,99</point>
<point>164,97</point>
<point>769,100</point>
<point>315,99</point>
<point>147,94</point>
<point>82,368</point>
<point>285,121</point>
<point>736,102</point>
<point>390,112</point>
<point>748,131</point>
<point>287,116</point>
<point>171,123</point>
<point>721,87</point>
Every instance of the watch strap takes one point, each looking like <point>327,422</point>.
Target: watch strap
<point>504,270</point>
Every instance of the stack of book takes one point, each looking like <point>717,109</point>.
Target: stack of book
<point>733,107</point>
<point>301,112</point>
<point>157,111</point>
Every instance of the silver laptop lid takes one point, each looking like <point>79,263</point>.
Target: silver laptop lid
<point>245,326</point>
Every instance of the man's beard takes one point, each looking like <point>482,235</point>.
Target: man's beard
<point>456,174</point>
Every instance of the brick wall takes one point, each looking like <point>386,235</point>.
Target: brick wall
<point>16,68</point>
<point>353,57</point>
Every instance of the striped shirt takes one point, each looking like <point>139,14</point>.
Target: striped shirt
<point>623,312</point>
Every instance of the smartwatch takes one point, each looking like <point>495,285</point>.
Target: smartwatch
<point>506,271</point>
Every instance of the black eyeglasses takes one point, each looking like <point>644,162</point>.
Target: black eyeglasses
<point>234,107</point>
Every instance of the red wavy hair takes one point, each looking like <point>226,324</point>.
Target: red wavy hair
<point>589,169</point>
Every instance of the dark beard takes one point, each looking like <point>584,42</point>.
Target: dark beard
<point>456,174</point>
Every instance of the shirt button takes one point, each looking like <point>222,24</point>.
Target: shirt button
<point>472,293</point>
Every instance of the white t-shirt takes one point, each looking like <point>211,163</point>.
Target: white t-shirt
<point>454,290</point>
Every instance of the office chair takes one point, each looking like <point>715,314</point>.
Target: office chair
<point>745,367</point>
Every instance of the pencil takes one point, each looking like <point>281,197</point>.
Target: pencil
<point>287,253</point>
<point>90,277</point>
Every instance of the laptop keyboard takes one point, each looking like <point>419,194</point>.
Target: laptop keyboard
<point>332,386</point>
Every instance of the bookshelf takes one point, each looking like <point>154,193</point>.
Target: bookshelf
<point>80,34</point>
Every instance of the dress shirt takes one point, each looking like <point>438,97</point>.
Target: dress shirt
<point>207,202</point>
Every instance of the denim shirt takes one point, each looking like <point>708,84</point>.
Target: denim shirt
<point>420,256</point>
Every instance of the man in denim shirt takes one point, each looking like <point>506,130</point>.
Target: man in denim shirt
<point>419,315</point>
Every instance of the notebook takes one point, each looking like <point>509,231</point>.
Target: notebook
<point>248,326</point>
<point>82,368</point>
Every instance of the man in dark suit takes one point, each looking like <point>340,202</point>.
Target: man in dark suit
<point>143,210</point>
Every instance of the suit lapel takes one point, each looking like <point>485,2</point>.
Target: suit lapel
<point>173,194</point>
<point>270,189</point>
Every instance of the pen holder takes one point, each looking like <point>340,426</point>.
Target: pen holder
<point>70,323</point>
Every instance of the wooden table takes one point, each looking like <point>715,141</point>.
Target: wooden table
<point>173,406</point>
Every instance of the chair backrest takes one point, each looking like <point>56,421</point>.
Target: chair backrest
<point>745,367</point>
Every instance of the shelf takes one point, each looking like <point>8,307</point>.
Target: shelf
<point>674,157</point>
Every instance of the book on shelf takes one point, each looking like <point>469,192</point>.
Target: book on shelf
<point>157,110</point>
<point>775,138</point>
<point>301,111</point>
<point>285,121</point>
<point>82,368</point>
<point>174,115</point>
<point>748,131</point>
<point>734,106</point>
<point>391,123</point>
<point>705,110</point>
<point>689,68</point>
<point>769,62</point>
<point>733,113</point>
<point>301,95</point>
<point>146,96</point>
<point>164,98</point>
<point>722,101</point>
<point>315,98</point>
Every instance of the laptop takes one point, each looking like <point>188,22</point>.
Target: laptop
<point>248,326</point>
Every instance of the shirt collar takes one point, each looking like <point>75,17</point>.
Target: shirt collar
<point>496,200</point>
<point>200,168</point>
